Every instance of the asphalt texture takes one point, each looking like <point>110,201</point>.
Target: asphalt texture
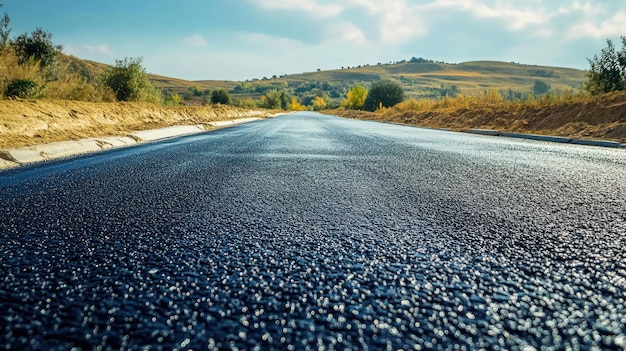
<point>310,232</point>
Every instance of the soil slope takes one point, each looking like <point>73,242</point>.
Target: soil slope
<point>32,122</point>
<point>602,118</point>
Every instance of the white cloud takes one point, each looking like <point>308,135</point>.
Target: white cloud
<point>398,22</point>
<point>98,49</point>
<point>311,7</point>
<point>613,26</point>
<point>196,40</point>
<point>576,6</point>
<point>347,32</point>
<point>88,50</point>
<point>273,42</point>
<point>514,18</point>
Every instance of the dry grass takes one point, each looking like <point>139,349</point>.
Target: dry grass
<point>571,115</point>
<point>31,122</point>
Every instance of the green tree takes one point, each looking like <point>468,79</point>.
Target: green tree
<point>383,93</point>
<point>129,81</point>
<point>284,100</point>
<point>37,46</point>
<point>608,70</point>
<point>272,100</point>
<point>195,90</point>
<point>540,87</point>
<point>220,96</point>
<point>355,99</point>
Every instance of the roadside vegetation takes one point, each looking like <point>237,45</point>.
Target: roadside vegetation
<point>598,110</point>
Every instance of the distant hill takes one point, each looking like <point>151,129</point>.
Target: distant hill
<point>420,80</point>
<point>423,79</point>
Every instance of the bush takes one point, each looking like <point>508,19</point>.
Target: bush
<point>355,99</point>
<point>271,100</point>
<point>220,96</point>
<point>23,88</point>
<point>38,47</point>
<point>383,94</point>
<point>129,81</point>
<point>608,70</point>
<point>172,100</point>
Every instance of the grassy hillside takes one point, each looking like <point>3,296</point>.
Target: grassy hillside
<point>471,78</point>
<point>420,80</point>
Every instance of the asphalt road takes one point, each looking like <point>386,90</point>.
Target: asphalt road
<point>309,232</point>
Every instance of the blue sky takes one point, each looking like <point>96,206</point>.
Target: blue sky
<point>245,39</point>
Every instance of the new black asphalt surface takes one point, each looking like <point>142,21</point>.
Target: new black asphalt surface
<point>310,232</point>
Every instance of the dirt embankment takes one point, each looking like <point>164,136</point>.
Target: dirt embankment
<point>602,118</point>
<point>32,122</point>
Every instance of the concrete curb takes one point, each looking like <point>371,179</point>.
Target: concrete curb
<point>4,164</point>
<point>602,143</point>
<point>553,139</point>
<point>164,133</point>
<point>111,142</point>
<point>488,132</point>
<point>37,153</point>
<point>547,138</point>
<point>233,122</point>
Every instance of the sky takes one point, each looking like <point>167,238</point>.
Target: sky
<point>248,39</point>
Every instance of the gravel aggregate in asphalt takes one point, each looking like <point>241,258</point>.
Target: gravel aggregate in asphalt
<point>310,232</point>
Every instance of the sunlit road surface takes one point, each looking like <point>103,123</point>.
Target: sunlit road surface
<point>309,232</point>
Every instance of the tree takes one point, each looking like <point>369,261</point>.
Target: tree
<point>355,99</point>
<point>284,100</point>
<point>319,103</point>
<point>295,105</point>
<point>129,81</point>
<point>220,96</point>
<point>383,93</point>
<point>540,87</point>
<point>5,30</point>
<point>608,70</point>
<point>36,46</point>
<point>271,100</point>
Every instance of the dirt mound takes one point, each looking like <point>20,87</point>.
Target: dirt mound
<point>31,122</point>
<point>601,118</point>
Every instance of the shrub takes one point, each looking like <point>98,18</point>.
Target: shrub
<point>220,96</point>
<point>129,81</point>
<point>271,100</point>
<point>383,94</point>
<point>355,99</point>
<point>608,70</point>
<point>172,100</point>
<point>296,106</point>
<point>319,103</point>
<point>23,88</point>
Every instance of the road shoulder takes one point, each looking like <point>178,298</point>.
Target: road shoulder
<point>12,158</point>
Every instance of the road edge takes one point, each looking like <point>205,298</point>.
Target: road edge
<point>16,157</point>
<point>547,138</point>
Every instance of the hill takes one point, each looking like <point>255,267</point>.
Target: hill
<point>419,80</point>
